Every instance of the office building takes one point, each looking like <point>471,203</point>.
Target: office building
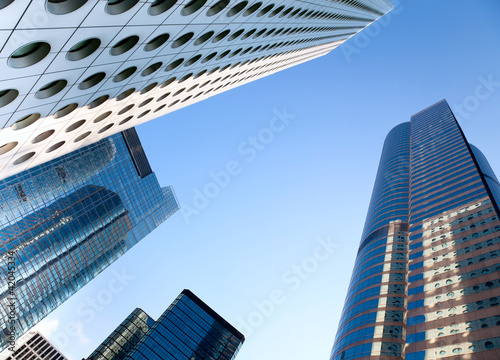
<point>65,221</point>
<point>33,346</point>
<point>187,330</point>
<point>425,283</point>
<point>73,72</point>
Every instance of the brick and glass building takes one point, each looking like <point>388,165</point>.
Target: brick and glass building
<point>73,72</point>
<point>425,283</point>
<point>65,221</point>
<point>188,330</point>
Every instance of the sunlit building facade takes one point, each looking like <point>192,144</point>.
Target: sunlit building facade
<point>33,346</point>
<point>188,330</point>
<point>65,221</point>
<point>425,283</point>
<point>73,72</point>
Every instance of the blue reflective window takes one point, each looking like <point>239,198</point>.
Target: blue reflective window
<point>415,320</point>
<point>415,304</point>
<point>416,265</point>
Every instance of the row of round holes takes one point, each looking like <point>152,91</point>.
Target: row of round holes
<point>7,96</point>
<point>10,146</point>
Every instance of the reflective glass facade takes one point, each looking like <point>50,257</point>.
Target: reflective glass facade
<point>425,282</point>
<point>187,330</point>
<point>65,221</point>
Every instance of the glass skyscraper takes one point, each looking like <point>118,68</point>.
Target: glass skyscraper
<point>425,283</point>
<point>63,222</point>
<point>187,330</point>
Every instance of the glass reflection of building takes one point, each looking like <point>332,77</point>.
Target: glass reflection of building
<point>187,330</point>
<point>67,220</point>
<point>425,284</point>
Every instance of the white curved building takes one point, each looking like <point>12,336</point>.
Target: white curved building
<point>75,71</point>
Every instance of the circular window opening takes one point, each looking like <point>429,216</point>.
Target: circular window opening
<point>126,120</point>
<point>125,94</point>
<point>75,126</point>
<point>220,36</point>
<point>252,9</point>
<point>145,102</point>
<point>276,11</point>
<point>151,69</point>
<point>163,97</point>
<point>265,10</point>
<point>286,12</point>
<point>192,7</point>
<point>106,128</point>
<point>82,136</point>
<point>237,8</point>
<point>174,64</point>
<point>5,3</point>
<point>156,42</point>
<point>43,136</point>
<point>25,121</point>
<point>160,6</point>
<point>102,117</point>
<point>125,74</point>
<point>223,55</point>
<point>149,88</point>
<point>124,45</point>
<point>248,34</point>
<point>116,7</point>
<point>61,7</point>
<point>203,38</point>
<point>168,82</point>
<point>217,8</point>
<point>178,92</point>
<point>192,60</point>
<point>209,57</point>
<point>186,99</point>
<point>65,110</point>
<point>55,146</point>
<point>182,40</point>
<point>99,101</point>
<point>83,49</point>
<point>4,149</point>
<point>8,96</point>
<point>51,89</point>
<point>29,54</point>
<point>125,109</point>
<point>174,103</point>
<point>144,114</point>
<point>24,158</point>
<point>236,34</point>
<point>160,108</point>
<point>200,73</point>
<point>185,77</point>
<point>92,80</point>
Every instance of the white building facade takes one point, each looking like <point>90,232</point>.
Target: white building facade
<point>75,71</point>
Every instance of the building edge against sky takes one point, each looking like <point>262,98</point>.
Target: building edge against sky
<point>33,346</point>
<point>189,329</point>
<point>425,282</point>
<point>65,221</point>
<point>65,83</point>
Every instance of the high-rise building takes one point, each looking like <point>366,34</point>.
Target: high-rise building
<point>63,222</point>
<point>33,346</point>
<point>425,283</point>
<point>73,72</point>
<point>188,330</point>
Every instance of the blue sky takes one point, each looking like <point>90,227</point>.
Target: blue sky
<point>272,247</point>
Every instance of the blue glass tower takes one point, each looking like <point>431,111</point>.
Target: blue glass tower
<point>187,330</point>
<point>425,284</point>
<point>65,221</point>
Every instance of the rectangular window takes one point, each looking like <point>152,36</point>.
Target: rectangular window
<point>415,304</point>
<point>415,320</point>
<point>416,277</point>
<point>416,265</point>
<point>411,338</point>
<point>416,255</point>
<point>416,290</point>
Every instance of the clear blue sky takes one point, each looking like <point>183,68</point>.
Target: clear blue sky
<point>256,239</point>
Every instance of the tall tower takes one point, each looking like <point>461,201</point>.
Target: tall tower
<point>73,72</point>
<point>188,330</point>
<point>33,346</point>
<point>105,199</point>
<point>425,284</point>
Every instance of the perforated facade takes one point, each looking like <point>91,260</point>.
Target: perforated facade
<point>65,221</point>
<point>425,284</point>
<point>75,71</point>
